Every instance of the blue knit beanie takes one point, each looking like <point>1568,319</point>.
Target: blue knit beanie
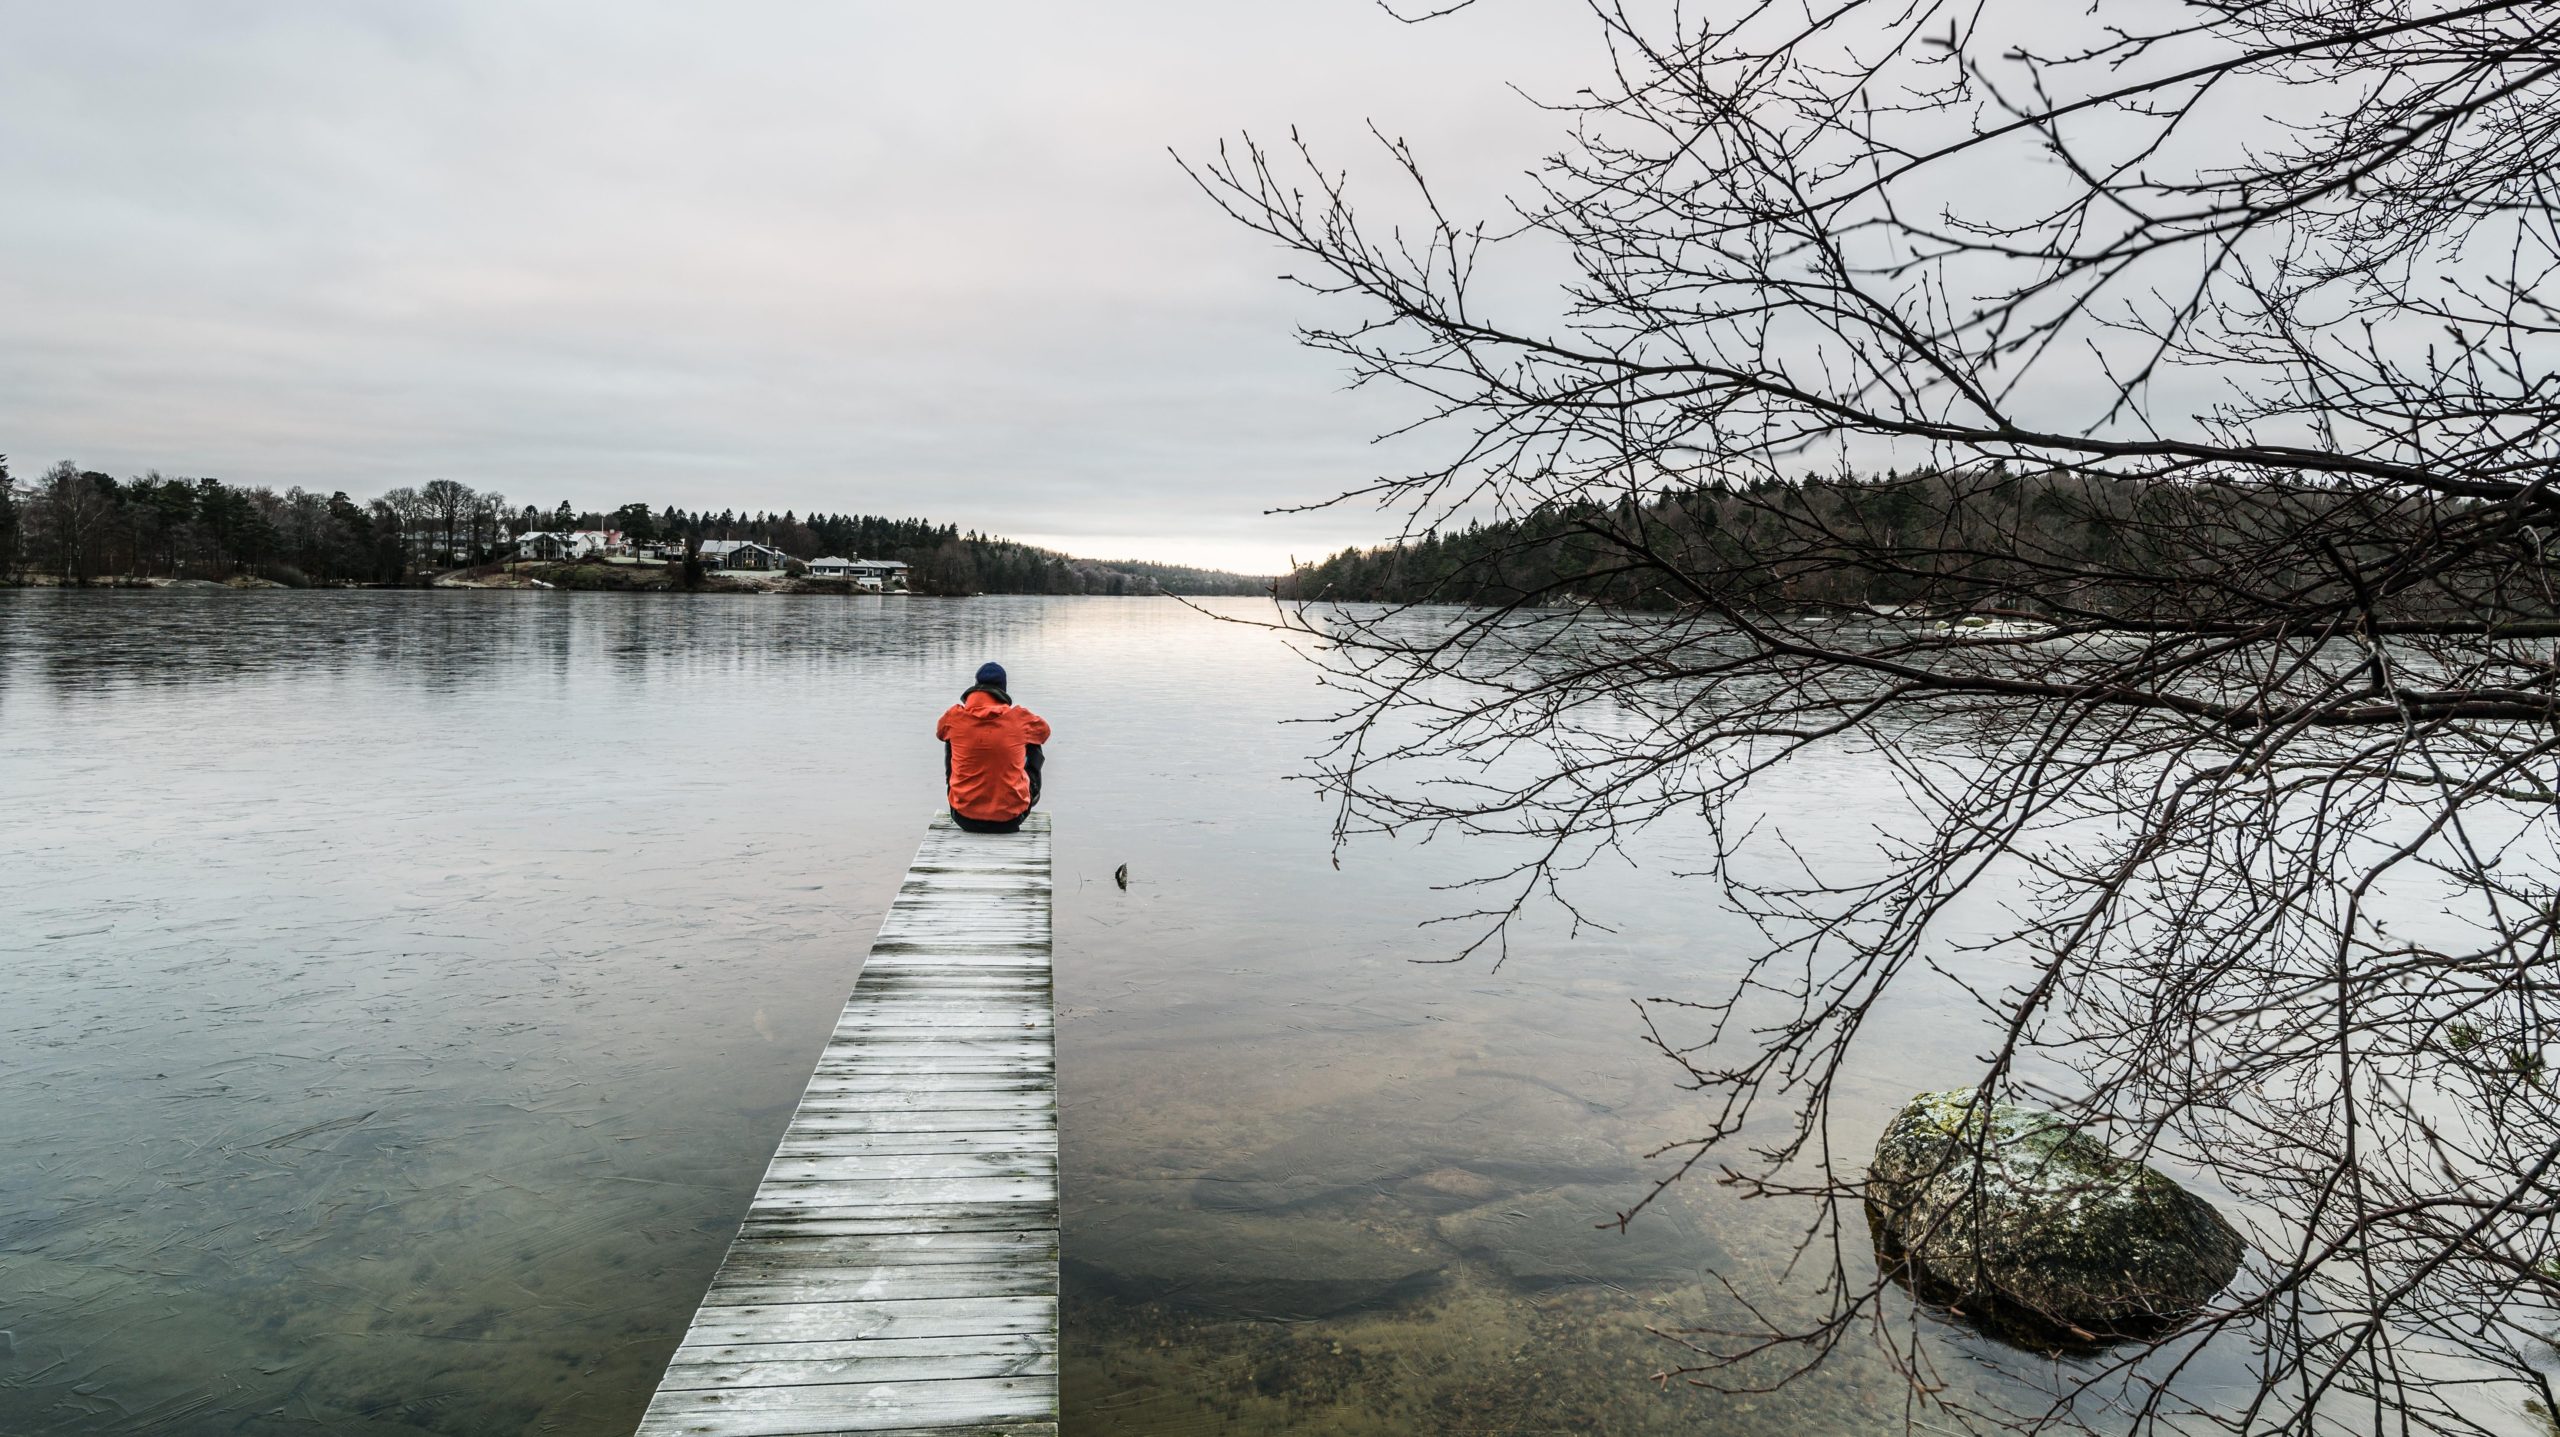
<point>991,675</point>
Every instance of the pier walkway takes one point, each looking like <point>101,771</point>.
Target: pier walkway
<point>898,1270</point>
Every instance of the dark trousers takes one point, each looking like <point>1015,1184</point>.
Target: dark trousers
<point>989,825</point>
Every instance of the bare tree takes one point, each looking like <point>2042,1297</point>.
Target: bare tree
<point>2212,343</point>
<point>451,504</point>
<point>489,514</point>
<point>71,511</point>
<point>403,516</point>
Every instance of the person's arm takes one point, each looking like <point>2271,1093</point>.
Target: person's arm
<point>1035,732</point>
<point>942,731</point>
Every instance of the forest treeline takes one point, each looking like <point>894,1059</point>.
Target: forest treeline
<point>1938,541</point>
<point>82,526</point>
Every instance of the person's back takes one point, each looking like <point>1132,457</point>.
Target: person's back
<point>991,755</point>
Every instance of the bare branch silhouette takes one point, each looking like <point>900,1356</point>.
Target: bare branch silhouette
<point>2135,433</point>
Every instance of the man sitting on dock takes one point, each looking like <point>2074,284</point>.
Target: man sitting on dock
<point>991,755</point>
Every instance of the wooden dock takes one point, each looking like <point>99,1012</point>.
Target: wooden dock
<point>898,1270</point>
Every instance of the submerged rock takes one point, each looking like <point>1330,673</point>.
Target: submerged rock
<point>1447,1189</point>
<point>2010,1203</point>
<point>1551,1239</point>
<point>1242,1264</point>
<point>1522,1138</point>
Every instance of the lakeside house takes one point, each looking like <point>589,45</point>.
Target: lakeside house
<point>570,545</point>
<point>886,576</point>
<point>550,544</point>
<point>742,554</point>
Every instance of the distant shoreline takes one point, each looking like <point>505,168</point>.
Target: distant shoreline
<point>529,581</point>
<point>718,585</point>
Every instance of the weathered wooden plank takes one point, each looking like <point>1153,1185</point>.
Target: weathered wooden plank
<point>849,1321</point>
<point>804,1372</point>
<point>846,1098</point>
<point>976,1344</point>
<point>901,982</point>
<point>826,1134</point>
<point>839,1196</point>
<point>878,1219</point>
<point>956,965</point>
<point>945,917</point>
<point>956,1056</point>
<point>902,990</point>
<point>854,1069</point>
<point>947,996</point>
<point>962,1051</point>
<point>804,1141</point>
<point>894,952</point>
<point>917,1091</point>
<point>954,945</point>
<point>740,1426</point>
<point>902,1035</point>
<point>779,1251</point>
<point>873,1169</point>
<point>949,992</point>
<point>963,945</point>
<point>947,889</point>
<point>872,1284</point>
<point>997,1039</point>
<point>1007,1009</point>
<point>926,1084</point>
<point>894,1120</point>
<point>922,1061</point>
<point>954,1138</point>
<point>853,1407</point>
<point>924,1046</point>
<point>999,1007</point>
<point>1003,1029</point>
<point>906,977</point>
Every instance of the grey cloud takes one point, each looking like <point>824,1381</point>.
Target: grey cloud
<point>867,256</point>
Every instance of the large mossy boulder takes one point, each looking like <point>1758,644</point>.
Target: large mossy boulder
<point>1998,1204</point>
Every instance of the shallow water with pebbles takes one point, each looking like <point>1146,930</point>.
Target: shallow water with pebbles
<point>406,989</point>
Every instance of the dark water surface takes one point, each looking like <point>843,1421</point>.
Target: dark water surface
<point>403,992</point>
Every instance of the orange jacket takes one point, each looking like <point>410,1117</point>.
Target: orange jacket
<point>987,739</point>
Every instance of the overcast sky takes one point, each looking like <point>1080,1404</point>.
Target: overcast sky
<point>928,259</point>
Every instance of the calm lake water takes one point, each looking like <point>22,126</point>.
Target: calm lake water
<point>404,991</point>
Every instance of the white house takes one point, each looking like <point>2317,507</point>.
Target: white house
<point>577,544</point>
<point>888,575</point>
<point>545,544</point>
<point>831,568</point>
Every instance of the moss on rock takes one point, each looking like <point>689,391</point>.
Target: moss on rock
<point>2008,1203</point>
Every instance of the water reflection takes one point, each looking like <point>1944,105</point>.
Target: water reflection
<point>406,989</point>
